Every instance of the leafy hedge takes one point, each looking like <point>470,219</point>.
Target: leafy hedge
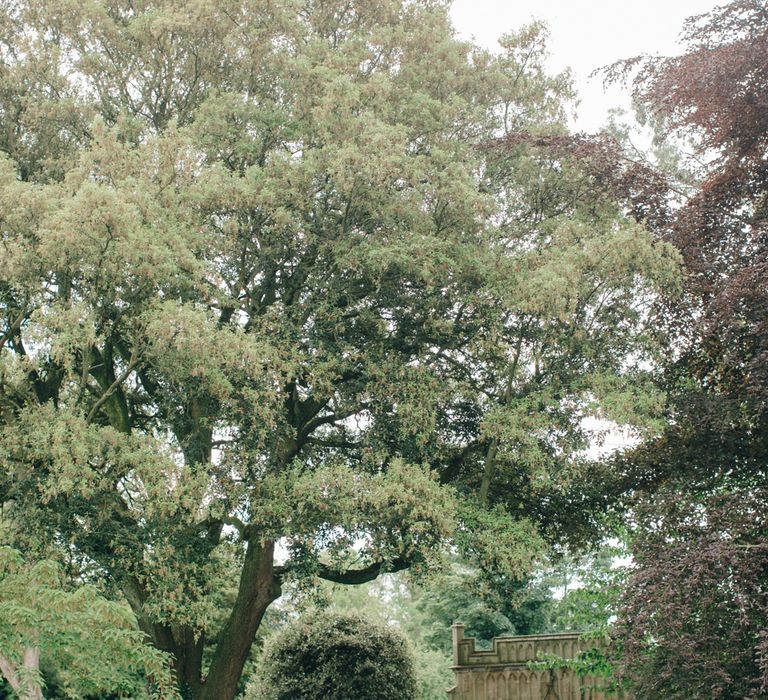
<point>336,656</point>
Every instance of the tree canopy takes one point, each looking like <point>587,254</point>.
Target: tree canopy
<point>282,275</point>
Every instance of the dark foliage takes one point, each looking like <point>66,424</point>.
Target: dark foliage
<point>694,618</point>
<point>693,622</point>
<point>717,94</point>
<point>333,656</point>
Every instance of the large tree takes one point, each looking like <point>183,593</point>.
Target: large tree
<point>261,287</point>
<point>697,598</point>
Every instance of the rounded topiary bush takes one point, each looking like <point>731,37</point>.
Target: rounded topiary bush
<point>336,656</point>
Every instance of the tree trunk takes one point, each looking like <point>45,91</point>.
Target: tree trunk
<point>31,663</point>
<point>28,690</point>
<point>183,643</point>
<point>188,661</point>
<point>258,588</point>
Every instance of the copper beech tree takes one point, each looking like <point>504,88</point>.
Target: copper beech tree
<point>262,286</point>
<point>693,622</point>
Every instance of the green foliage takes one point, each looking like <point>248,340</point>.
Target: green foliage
<point>576,593</point>
<point>498,542</point>
<point>593,666</point>
<point>591,585</point>
<point>395,599</point>
<point>585,596</point>
<point>332,656</point>
<point>269,278</point>
<point>392,600</point>
<point>91,643</point>
<point>433,673</point>
<point>402,512</point>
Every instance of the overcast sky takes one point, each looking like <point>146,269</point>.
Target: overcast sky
<point>585,35</point>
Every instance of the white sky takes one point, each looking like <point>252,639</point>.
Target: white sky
<point>585,35</point>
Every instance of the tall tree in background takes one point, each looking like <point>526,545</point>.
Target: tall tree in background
<point>694,616</point>
<point>261,286</point>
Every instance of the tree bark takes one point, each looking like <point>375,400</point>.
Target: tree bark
<point>258,588</point>
<point>8,669</point>
<point>30,662</point>
<point>184,643</point>
<point>188,661</point>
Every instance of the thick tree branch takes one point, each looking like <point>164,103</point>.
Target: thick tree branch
<point>336,444</point>
<point>257,589</point>
<point>452,468</point>
<point>353,577</point>
<point>8,670</point>
<point>13,327</point>
<point>311,425</point>
<point>236,523</point>
<point>112,388</point>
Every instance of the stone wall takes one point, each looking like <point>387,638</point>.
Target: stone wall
<point>502,672</point>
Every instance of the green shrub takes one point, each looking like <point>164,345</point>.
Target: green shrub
<point>336,656</point>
